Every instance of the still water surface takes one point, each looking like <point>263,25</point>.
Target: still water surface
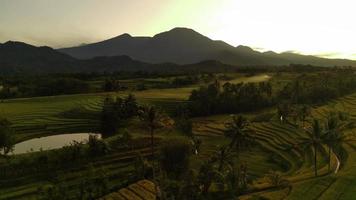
<point>50,142</point>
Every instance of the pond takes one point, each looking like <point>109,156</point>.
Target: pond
<point>50,142</point>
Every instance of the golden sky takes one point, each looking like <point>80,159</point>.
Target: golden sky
<point>318,27</point>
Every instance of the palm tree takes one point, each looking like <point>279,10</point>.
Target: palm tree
<point>223,157</point>
<point>206,176</point>
<point>6,136</point>
<point>313,140</point>
<point>334,135</point>
<point>303,112</point>
<point>152,118</point>
<point>239,132</point>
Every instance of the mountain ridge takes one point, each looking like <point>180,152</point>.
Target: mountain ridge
<point>186,46</point>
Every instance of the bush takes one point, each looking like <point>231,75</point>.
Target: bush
<point>6,136</point>
<point>185,126</point>
<point>97,146</point>
<point>115,112</point>
<point>174,157</point>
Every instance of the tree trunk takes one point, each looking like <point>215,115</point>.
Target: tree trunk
<point>315,161</point>
<point>152,153</point>
<point>329,164</point>
<point>206,187</point>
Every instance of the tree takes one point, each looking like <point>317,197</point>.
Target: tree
<point>185,125</point>
<point>174,157</point>
<point>303,113</point>
<point>223,157</point>
<point>335,135</point>
<point>239,132</point>
<point>206,175</point>
<point>130,106</point>
<point>189,189</point>
<point>115,111</point>
<point>284,110</point>
<point>313,140</point>
<point>152,119</point>
<point>6,136</point>
<point>97,146</point>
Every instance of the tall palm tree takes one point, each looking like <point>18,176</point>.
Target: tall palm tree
<point>304,112</point>
<point>335,135</point>
<point>206,176</point>
<point>240,133</point>
<point>223,157</point>
<point>313,140</point>
<point>152,118</point>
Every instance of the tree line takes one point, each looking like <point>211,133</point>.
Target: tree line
<point>234,98</point>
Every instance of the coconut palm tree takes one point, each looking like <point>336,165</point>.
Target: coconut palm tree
<point>304,112</point>
<point>206,176</point>
<point>335,135</point>
<point>223,157</point>
<point>152,119</point>
<point>6,136</point>
<point>239,132</point>
<point>313,140</point>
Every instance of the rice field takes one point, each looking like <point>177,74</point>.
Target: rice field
<point>34,117</point>
<point>333,186</point>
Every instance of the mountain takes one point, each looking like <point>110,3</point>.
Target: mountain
<point>22,58</point>
<point>18,57</point>
<point>25,59</point>
<point>186,46</point>
<point>179,46</point>
<point>177,50</point>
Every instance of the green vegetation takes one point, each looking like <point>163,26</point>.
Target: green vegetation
<point>283,141</point>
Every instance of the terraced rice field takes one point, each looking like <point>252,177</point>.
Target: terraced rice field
<point>274,150</point>
<point>118,167</point>
<point>41,116</point>
<point>50,115</point>
<point>34,117</point>
<point>334,186</point>
<point>142,190</point>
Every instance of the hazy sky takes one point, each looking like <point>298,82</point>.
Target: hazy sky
<point>320,27</point>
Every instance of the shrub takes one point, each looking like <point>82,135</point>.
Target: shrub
<point>175,157</point>
<point>97,146</point>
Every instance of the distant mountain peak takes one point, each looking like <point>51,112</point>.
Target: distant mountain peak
<point>122,36</point>
<point>16,43</point>
<point>125,35</point>
<point>185,46</point>
<point>270,53</point>
<point>182,29</point>
<point>22,45</point>
<point>179,32</point>
<point>244,48</point>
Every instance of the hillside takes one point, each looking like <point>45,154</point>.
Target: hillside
<point>177,50</point>
<point>186,46</point>
<point>22,58</point>
<point>18,57</point>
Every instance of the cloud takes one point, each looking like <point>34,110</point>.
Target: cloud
<point>329,54</point>
<point>292,51</point>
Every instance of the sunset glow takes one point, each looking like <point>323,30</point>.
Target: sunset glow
<point>319,27</point>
